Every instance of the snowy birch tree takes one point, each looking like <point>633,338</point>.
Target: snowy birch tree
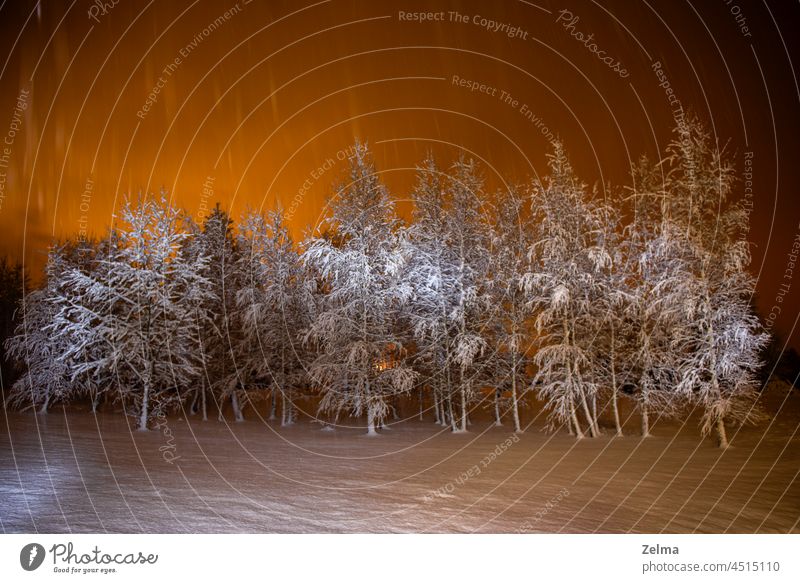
<point>511,310</point>
<point>722,338</point>
<point>566,257</point>
<point>432,273</point>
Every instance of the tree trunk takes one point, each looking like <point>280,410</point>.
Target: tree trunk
<point>371,421</point>
<point>237,410</point>
<point>289,404</point>
<point>46,404</point>
<point>645,421</point>
<point>451,414</point>
<point>514,403</point>
<point>95,401</point>
<point>578,431</point>
<point>193,404</point>
<point>273,406</point>
<point>615,408</point>
<point>145,405</point>
<point>588,414</point>
<point>723,437</point>
<point>420,403</point>
<point>203,401</point>
<point>463,406</point>
<point>497,421</point>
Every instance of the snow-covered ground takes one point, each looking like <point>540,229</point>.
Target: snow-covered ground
<point>78,473</point>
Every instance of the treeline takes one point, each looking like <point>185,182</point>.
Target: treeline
<point>548,289</point>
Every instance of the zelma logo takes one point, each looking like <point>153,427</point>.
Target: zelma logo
<point>31,556</point>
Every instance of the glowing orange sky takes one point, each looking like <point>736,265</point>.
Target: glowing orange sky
<point>272,92</point>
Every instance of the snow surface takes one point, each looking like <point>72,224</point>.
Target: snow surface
<point>75,472</point>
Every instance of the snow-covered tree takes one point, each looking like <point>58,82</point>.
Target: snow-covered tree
<point>13,283</point>
<point>511,310</point>
<point>721,337</point>
<point>469,237</point>
<point>275,305</point>
<point>141,304</point>
<point>567,257</point>
<point>432,271</point>
<point>221,375</point>
<point>361,364</point>
<point>46,378</point>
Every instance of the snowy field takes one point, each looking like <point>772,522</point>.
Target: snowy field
<point>78,473</point>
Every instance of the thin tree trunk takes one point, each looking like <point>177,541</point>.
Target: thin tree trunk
<point>237,410</point>
<point>578,431</point>
<point>193,404</point>
<point>515,407</point>
<point>286,411</point>
<point>514,401</point>
<point>203,401</point>
<point>497,421</point>
<point>723,437</point>
<point>645,420</point>
<point>588,415</point>
<point>615,408</point>
<point>420,403</point>
<point>450,413</point>
<point>46,404</point>
<point>614,405</point>
<point>463,405</point>
<point>273,405</point>
<point>145,405</point>
<point>371,421</point>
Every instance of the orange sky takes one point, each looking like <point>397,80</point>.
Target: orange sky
<point>255,102</point>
